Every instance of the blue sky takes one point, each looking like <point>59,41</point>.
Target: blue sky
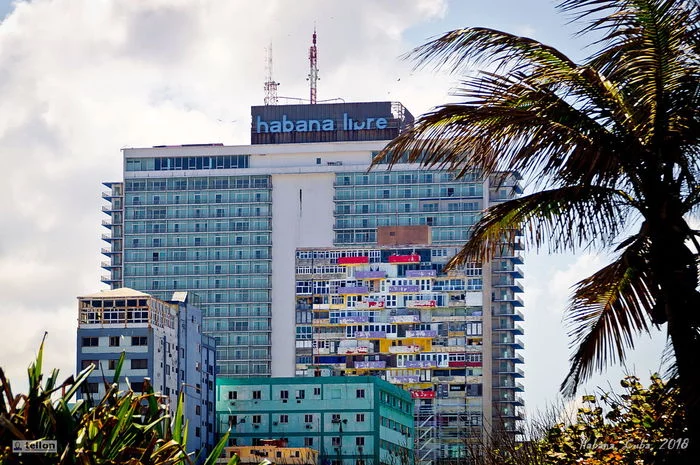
<point>83,78</point>
<point>4,8</point>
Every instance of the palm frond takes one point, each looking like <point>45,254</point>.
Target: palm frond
<point>608,309</point>
<point>456,50</point>
<point>651,48</point>
<point>564,219</point>
<point>550,116</point>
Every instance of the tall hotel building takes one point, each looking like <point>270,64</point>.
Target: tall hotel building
<point>305,262</point>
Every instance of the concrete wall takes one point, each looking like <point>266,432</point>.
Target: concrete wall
<point>302,216</point>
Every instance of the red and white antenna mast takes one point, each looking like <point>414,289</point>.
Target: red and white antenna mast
<point>313,70</point>
<point>270,84</point>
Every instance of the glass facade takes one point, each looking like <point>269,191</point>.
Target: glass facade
<point>365,201</point>
<point>219,162</point>
<point>209,235</point>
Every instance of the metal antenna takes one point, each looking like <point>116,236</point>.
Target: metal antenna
<point>270,84</point>
<point>313,69</point>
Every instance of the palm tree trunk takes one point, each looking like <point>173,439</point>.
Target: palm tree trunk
<point>677,277</point>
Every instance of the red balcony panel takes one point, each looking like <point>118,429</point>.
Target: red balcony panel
<point>423,394</point>
<point>352,260</point>
<point>413,258</point>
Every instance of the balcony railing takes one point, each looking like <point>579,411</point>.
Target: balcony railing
<point>517,315</point>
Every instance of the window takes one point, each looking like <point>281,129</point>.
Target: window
<point>317,391</point>
<point>86,363</point>
<point>360,393</point>
<point>257,419</point>
<point>360,441</point>
<point>308,418</point>
<point>257,395</point>
<point>233,394</point>
<point>335,418</point>
<point>197,409</point>
<point>301,394</point>
<point>335,441</point>
<point>139,340</point>
<point>284,418</point>
<point>308,442</point>
<point>139,364</point>
<point>360,417</point>
<point>90,342</point>
<point>198,431</point>
<point>90,387</point>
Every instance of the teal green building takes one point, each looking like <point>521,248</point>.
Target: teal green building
<point>349,420</point>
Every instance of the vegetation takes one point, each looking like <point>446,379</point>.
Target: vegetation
<point>120,428</point>
<point>612,146</point>
<point>641,425</point>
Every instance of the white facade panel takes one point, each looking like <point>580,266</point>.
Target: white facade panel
<point>302,216</point>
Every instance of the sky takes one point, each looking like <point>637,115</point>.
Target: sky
<point>82,79</point>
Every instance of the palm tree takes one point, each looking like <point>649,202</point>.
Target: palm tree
<point>612,144</point>
<point>120,427</point>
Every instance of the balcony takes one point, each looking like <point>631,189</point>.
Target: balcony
<point>517,401</point>
<point>510,414</point>
<point>508,284</point>
<point>516,315</point>
<point>353,290</point>
<point>109,195</point>
<point>515,329</point>
<point>514,300</point>
<point>515,343</point>
<point>512,357</point>
<point>108,251</point>
<point>514,372</point>
<point>108,279</point>
<point>517,387</point>
<point>514,271</point>
<point>108,265</point>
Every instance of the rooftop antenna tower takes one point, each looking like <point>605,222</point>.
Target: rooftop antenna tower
<point>313,69</point>
<point>270,84</point>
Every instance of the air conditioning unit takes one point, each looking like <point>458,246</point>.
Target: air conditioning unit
<point>309,426</point>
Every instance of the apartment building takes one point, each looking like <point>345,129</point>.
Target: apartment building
<point>162,342</point>
<point>347,420</point>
